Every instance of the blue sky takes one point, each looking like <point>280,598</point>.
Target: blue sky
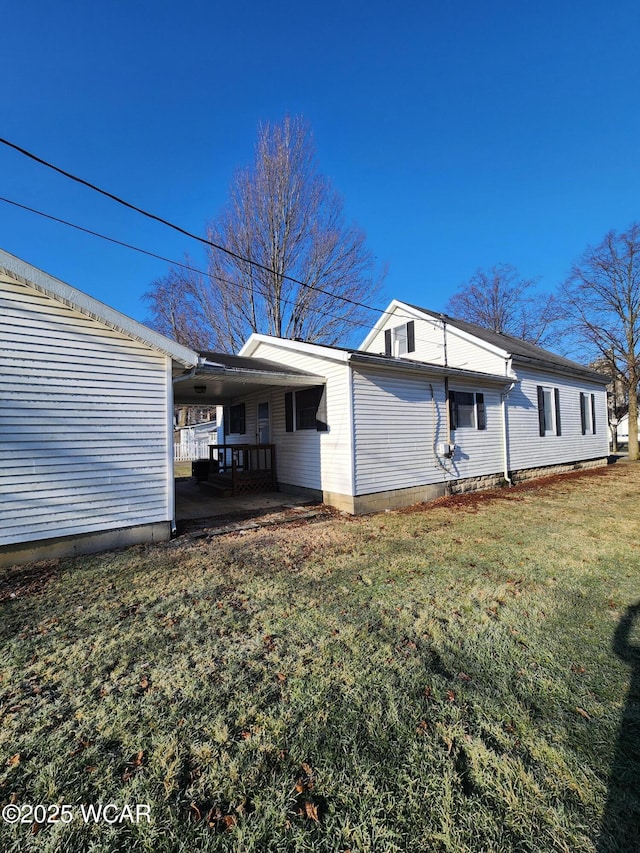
<point>461,135</point>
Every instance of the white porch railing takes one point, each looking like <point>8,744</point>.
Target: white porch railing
<point>187,451</point>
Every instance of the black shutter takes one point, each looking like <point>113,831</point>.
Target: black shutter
<point>242,423</point>
<point>541,422</point>
<point>583,415</point>
<point>593,413</point>
<point>387,342</point>
<point>226,417</point>
<point>288,411</point>
<point>321,414</point>
<point>556,394</point>
<point>411,336</point>
<point>453,419</point>
<point>480,412</point>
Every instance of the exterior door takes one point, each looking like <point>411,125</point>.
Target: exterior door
<point>263,421</point>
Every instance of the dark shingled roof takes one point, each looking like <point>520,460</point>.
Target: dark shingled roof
<point>521,351</point>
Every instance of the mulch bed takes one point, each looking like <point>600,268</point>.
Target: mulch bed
<point>470,500</point>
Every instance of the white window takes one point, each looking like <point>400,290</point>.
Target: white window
<point>400,340</point>
<point>588,413</point>
<point>549,410</point>
<point>466,410</point>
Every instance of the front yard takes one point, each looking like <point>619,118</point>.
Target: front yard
<point>448,679</point>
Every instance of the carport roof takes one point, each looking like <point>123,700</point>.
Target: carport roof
<point>220,377</point>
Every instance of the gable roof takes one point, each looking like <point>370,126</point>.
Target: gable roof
<point>20,271</point>
<point>351,355</point>
<point>522,352</point>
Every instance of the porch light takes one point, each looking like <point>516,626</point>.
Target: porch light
<point>200,389</point>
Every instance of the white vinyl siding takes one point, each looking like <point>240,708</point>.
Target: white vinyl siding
<point>478,451</point>
<point>307,458</point>
<point>527,448</point>
<point>84,436</point>
<point>436,343</point>
<point>428,340</point>
<point>396,426</point>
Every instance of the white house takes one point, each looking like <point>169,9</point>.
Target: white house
<point>86,403</point>
<point>427,405</point>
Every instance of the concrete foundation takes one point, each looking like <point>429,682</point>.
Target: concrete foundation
<point>549,470</point>
<point>398,498</point>
<point>84,543</point>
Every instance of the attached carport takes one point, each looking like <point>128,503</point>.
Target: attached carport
<point>219,379</point>
<point>245,464</point>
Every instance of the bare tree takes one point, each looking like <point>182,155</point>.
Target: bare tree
<point>297,269</point>
<point>603,300</point>
<point>501,300</point>
<point>172,310</point>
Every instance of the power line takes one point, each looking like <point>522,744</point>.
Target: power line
<point>192,236</point>
<point>178,228</point>
<point>360,324</point>
<point>324,313</point>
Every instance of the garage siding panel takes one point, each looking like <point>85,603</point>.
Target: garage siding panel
<point>83,422</point>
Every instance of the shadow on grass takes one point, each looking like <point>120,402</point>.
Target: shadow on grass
<point>621,821</point>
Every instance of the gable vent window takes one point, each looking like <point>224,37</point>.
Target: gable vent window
<point>549,411</point>
<point>588,413</point>
<point>467,410</point>
<point>400,340</point>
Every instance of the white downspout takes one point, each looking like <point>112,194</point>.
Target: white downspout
<point>505,436</point>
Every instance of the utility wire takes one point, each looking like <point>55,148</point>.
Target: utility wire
<point>172,262</point>
<point>358,323</point>
<point>192,236</point>
<point>177,228</point>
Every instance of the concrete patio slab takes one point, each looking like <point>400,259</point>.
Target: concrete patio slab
<point>196,501</point>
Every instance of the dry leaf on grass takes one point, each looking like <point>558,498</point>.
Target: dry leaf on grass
<point>311,810</point>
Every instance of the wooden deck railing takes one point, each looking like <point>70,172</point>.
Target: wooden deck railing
<point>247,467</point>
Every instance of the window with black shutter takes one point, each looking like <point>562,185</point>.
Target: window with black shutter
<point>467,410</point>
<point>236,420</point>
<point>548,411</point>
<point>400,340</point>
<point>306,409</point>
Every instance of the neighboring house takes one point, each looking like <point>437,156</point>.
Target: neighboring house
<point>193,442</point>
<point>206,432</point>
<point>623,430</point>
<point>86,410</point>
<point>426,406</point>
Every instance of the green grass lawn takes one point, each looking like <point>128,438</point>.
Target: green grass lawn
<point>181,469</point>
<point>437,680</point>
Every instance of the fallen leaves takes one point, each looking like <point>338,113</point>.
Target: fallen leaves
<point>307,805</point>
<point>83,743</point>
<point>219,818</point>
<point>583,713</point>
<point>135,763</point>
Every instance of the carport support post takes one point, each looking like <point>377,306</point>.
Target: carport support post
<point>171,483</point>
